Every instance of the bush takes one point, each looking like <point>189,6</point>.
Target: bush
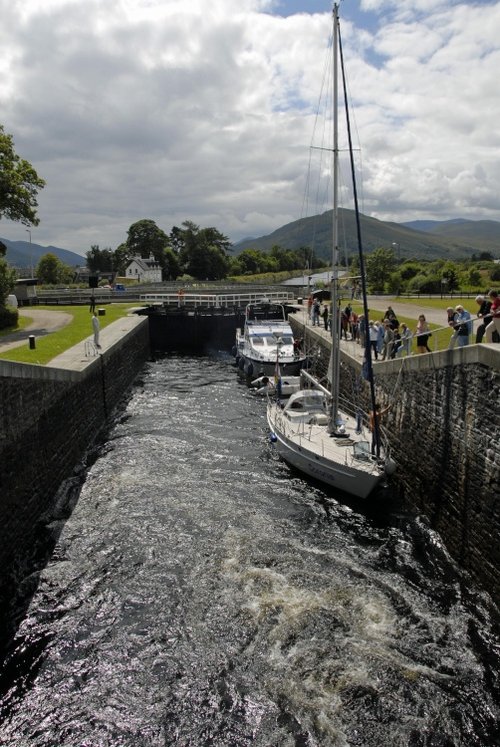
<point>8,317</point>
<point>495,273</point>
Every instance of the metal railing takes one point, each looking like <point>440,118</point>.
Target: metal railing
<point>215,300</point>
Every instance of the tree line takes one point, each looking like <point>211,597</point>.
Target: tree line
<point>189,251</point>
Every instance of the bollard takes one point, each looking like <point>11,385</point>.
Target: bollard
<point>31,340</point>
<point>101,312</point>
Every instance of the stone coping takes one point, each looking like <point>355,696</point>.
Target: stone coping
<point>74,362</point>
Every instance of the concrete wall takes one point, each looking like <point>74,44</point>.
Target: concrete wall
<point>49,417</point>
<point>444,428</point>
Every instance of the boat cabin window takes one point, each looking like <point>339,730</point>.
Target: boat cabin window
<point>361,450</point>
<point>257,340</point>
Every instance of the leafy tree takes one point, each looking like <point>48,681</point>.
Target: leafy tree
<point>7,280</point>
<point>3,249</point>
<point>450,274</point>
<point>202,251</point>
<point>19,184</point>
<point>100,260</point>
<point>252,261</point>
<point>495,273</point>
<point>51,270</point>
<point>145,238</point>
<point>379,265</point>
<point>172,265</point>
<point>474,277</point>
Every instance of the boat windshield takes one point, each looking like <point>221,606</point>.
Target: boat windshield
<point>307,401</point>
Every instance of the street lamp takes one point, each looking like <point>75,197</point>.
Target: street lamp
<point>395,244</point>
<point>31,253</point>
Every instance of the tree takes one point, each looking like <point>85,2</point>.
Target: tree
<point>202,251</point>
<point>100,260</point>
<point>7,281</point>
<point>145,238</point>
<point>51,270</point>
<point>450,274</point>
<point>19,184</point>
<point>379,265</point>
<point>172,265</point>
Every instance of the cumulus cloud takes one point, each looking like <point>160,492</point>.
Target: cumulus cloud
<point>170,110</point>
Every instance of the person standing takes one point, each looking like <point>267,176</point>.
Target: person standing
<point>315,313</point>
<point>388,340</point>
<point>483,314</point>
<point>494,325</point>
<point>96,328</point>
<point>464,328</point>
<point>406,337</point>
<point>324,314</point>
<point>92,302</point>
<point>452,322</point>
<point>423,332</point>
<point>373,333</point>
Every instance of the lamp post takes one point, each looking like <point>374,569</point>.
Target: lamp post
<point>395,244</point>
<point>31,253</point>
<point>444,283</point>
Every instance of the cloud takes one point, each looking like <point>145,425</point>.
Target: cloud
<point>170,110</point>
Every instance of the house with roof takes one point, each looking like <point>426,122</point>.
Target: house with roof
<point>144,270</point>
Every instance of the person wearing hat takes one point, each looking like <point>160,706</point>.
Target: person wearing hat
<point>484,314</point>
<point>464,322</point>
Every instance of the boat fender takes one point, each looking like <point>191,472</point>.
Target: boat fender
<point>250,369</point>
<point>273,438</point>
<point>241,364</point>
<point>390,466</point>
<point>234,350</point>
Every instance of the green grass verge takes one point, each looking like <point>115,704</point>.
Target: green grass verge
<point>53,344</point>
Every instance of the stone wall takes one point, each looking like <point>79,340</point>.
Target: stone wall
<point>444,428</point>
<point>49,417</point>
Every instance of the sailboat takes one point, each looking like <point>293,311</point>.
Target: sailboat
<point>316,432</point>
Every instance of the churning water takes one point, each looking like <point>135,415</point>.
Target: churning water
<point>203,594</point>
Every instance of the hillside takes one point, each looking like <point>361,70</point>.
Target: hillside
<point>24,254</point>
<point>446,239</point>
<point>484,235</point>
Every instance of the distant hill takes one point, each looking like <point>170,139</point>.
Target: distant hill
<point>419,239</point>
<point>24,254</point>
<point>483,234</point>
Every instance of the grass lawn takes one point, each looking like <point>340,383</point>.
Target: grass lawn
<point>54,343</point>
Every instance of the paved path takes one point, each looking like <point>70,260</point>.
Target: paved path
<point>44,322</point>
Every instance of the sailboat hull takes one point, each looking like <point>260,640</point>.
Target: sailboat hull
<point>307,457</point>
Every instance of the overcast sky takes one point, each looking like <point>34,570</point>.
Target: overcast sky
<point>203,110</point>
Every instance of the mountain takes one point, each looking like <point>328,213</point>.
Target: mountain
<point>419,239</point>
<point>26,254</point>
<point>483,234</point>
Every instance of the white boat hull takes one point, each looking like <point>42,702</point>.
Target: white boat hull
<point>253,367</point>
<point>304,454</point>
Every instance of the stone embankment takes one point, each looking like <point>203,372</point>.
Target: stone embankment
<point>444,432</point>
<point>49,417</point>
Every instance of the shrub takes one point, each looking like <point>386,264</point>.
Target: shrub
<point>8,317</point>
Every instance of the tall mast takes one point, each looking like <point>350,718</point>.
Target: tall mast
<point>335,357</point>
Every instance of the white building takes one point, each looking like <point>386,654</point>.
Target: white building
<point>144,270</point>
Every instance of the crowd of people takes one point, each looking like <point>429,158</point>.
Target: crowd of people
<point>389,339</point>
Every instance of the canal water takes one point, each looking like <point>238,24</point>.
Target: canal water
<point>200,593</point>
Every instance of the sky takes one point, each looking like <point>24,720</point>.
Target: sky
<point>177,110</point>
